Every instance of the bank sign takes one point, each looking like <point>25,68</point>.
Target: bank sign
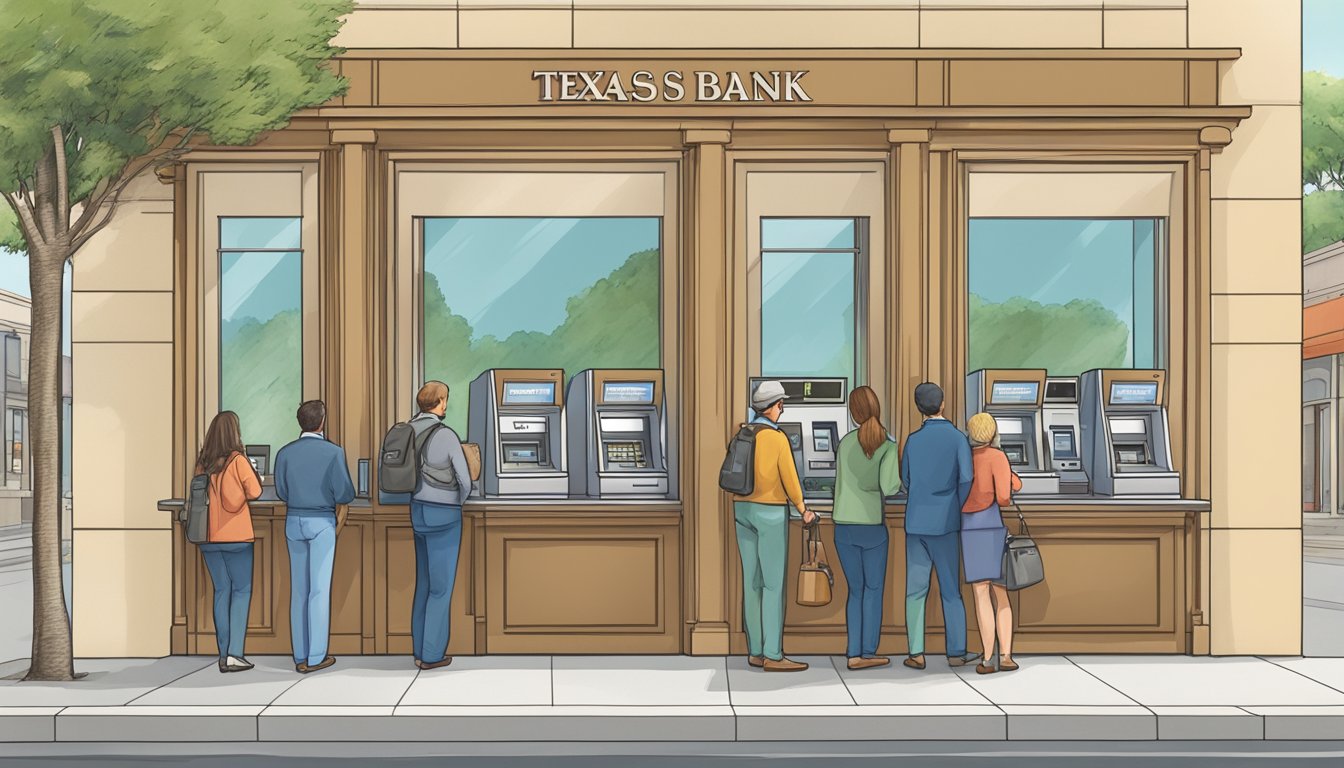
<point>774,86</point>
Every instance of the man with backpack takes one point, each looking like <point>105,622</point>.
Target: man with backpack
<point>762,518</point>
<point>443,483</point>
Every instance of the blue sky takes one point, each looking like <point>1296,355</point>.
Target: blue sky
<point>1322,30</point>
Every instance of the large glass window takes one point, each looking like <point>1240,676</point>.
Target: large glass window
<point>809,292</point>
<point>261,325</point>
<point>524,292</point>
<point>1066,295</point>
<point>13,357</point>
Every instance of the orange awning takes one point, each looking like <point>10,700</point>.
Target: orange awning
<point>1323,329</point>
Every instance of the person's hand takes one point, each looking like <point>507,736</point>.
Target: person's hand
<point>809,517</point>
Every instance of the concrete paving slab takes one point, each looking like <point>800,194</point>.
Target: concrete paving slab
<point>1174,681</point>
<point>1080,723</point>
<point>257,687</point>
<point>1322,629</point>
<point>1328,672</point>
<point>871,723</point>
<point>640,681</point>
<point>519,724</point>
<point>158,724</point>
<point>1044,681</point>
<point>110,682</point>
<point>1207,724</point>
<point>28,724</point>
<point>370,681</point>
<point>818,685</point>
<point>1301,723</point>
<point>323,723</point>
<point>484,681</point>
<point>897,684</point>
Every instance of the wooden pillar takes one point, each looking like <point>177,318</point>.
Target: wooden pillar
<point>907,306</point>
<point>705,385</point>
<point>349,315</point>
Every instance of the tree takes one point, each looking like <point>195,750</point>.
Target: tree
<point>1322,130</point>
<point>1322,219</point>
<point>94,93</point>
<point>1020,333</point>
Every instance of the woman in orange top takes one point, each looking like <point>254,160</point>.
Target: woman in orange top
<point>228,553</point>
<point>983,537</point>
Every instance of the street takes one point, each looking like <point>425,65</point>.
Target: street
<point>16,609</point>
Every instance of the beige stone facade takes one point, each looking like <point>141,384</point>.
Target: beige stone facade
<point>922,94</point>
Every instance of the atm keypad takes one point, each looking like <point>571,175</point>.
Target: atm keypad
<point>629,454</point>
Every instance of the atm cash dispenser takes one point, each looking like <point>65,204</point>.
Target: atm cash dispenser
<point>1063,431</point>
<point>815,418</point>
<point>1127,445</point>
<point>517,417</point>
<point>617,434</point>
<point>1014,398</point>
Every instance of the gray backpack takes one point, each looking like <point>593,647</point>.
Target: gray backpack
<point>196,514</point>
<point>738,473</point>
<point>399,463</point>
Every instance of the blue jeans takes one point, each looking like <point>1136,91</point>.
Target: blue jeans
<point>863,557</point>
<point>923,553</point>
<point>312,551</point>
<point>436,553</point>
<point>230,566</point>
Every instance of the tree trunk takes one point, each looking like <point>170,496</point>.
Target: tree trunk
<point>52,655</point>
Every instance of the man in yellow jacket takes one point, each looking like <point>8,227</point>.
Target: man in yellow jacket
<point>763,533</point>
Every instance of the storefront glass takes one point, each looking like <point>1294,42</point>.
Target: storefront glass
<point>523,292</point>
<point>261,326</point>
<point>808,289</point>
<point>1066,295</point>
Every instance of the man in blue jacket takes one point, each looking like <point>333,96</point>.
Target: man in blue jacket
<point>936,472</point>
<point>311,477</point>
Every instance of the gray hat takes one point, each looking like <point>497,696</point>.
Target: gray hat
<point>767,394</point>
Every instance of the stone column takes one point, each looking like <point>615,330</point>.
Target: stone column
<point>907,307</point>
<point>706,428</point>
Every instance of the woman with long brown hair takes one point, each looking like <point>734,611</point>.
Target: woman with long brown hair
<point>867,470</point>
<point>228,551</point>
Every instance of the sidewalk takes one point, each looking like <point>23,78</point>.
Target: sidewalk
<point>678,698</point>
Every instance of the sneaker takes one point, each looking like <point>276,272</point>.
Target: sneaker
<point>238,661</point>
<point>961,661</point>
<point>868,662</point>
<point>756,661</point>
<point>783,665</point>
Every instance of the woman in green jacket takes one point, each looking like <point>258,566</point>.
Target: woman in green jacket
<point>867,470</point>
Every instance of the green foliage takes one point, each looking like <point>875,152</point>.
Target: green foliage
<point>10,235</point>
<point>1064,339</point>
<point>1322,219</point>
<point>1322,130</point>
<point>613,323</point>
<point>120,76</point>
<point>262,380</point>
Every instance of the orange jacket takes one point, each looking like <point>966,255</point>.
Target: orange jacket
<point>993,479</point>
<point>230,490</point>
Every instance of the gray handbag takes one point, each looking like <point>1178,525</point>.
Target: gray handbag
<point>1022,564</point>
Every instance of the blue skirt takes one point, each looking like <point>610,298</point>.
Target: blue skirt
<point>983,539</point>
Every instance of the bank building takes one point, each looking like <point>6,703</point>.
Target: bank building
<point>601,221</point>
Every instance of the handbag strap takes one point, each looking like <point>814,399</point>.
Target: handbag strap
<point>1022,529</point>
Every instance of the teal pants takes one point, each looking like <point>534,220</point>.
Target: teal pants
<point>763,542</point>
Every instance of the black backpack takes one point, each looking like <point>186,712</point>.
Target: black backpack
<point>196,514</point>
<point>399,463</point>
<point>738,473</point>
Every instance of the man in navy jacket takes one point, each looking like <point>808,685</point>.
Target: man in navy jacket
<point>311,477</point>
<point>936,472</point>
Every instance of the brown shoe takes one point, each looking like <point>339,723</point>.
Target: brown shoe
<point>868,662</point>
<point>327,662</point>
<point>961,661</point>
<point>1007,665</point>
<point>756,661</point>
<point>445,661</point>
<point>985,669</point>
<point>914,662</point>
<point>783,665</point>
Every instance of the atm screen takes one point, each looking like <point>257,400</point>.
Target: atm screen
<point>1133,393</point>
<point>1016,453</point>
<point>1061,390</point>
<point>260,457</point>
<point>521,455</point>
<point>1009,426</point>
<point>795,434</point>
<point>821,441</point>
<point>1061,444</point>
<point>640,392</point>
<point>529,393</point>
<point>1014,392</point>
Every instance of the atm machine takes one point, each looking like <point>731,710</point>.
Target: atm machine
<point>259,456</point>
<point>617,434</point>
<point>1127,447</point>
<point>1062,432</point>
<point>1014,398</point>
<point>518,418</point>
<point>815,418</point>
